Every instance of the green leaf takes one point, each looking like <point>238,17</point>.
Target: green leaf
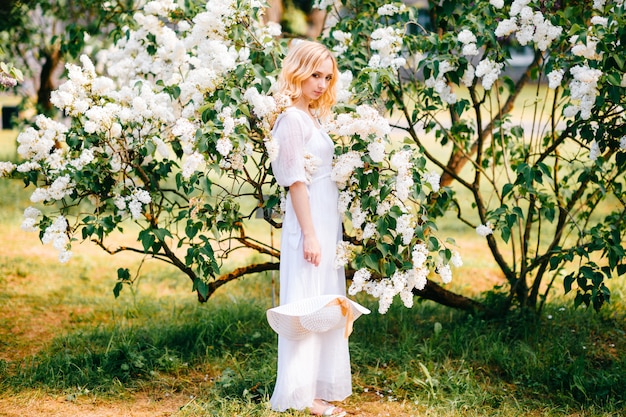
<point>117,289</point>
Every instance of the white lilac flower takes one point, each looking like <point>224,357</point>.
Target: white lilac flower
<point>404,183</point>
<point>192,164</point>
<point>484,230</point>
<point>517,6</point>
<point>599,4</point>
<point>30,219</point>
<point>468,76</point>
<point>594,150</point>
<point>272,147</point>
<point>56,234</point>
<point>369,231</point>
<point>323,4</point>
<point>405,228</point>
<point>358,216</point>
<point>6,168</point>
<point>489,71</point>
<point>376,149</point>
<point>498,4</point>
<point>237,161</point>
<point>440,84</point>
<point>364,122</point>
<point>466,36</point>
<point>388,42</point>
<point>383,207</point>
<point>359,279</point>
<point>456,259</point>
<point>419,256</point>
<point>599,20</point>
<point>555,77</point>
<point>468,39</point>
<point>344,40</point>
<point>343,86</point>
<point>343,253</point>
<point>390,9</point>
<point>224,146</point>
<point>61,187</point>
<point>344,166</point>
<point>434,179</point>
<point>545,31</point>
<point>622,143</point>
<point>470,49</point>
<point>346,197</point>
<point>506,27</point>
<point>185,131</point>
<point>261,105</point>
<point>311,164</point>
<point>445,273</point>
<point>583,88</point>
<point>588,50</point>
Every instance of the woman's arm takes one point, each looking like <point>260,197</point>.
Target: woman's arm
<point>300,201</point>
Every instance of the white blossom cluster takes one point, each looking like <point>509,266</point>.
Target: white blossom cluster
<point>484,230</point>
<point>344,166</point>
<point>6,168</point>
<point>586,50</point>
<point>401,161</point>
<point>388,42</point>
<point>583,90</point>
<point>594,150</point>
<point>57,234</point>
<point>440,84</point>
<point>344,83</point>
<point>323,4</point>
<point>489,71</point>
<point>555,77</point>
<point>133,203</point>
<point>528,26</point>
<point>468,39</point>
<point>344,40</point>
<point>391,9</point>
<point>432,178</point>
<point>343,253</point>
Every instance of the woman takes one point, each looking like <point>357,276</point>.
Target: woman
<point>316,368</point>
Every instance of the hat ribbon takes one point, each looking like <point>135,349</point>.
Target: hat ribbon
<point>346,310</point>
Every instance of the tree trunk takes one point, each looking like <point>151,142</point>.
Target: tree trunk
<point>46,85</point>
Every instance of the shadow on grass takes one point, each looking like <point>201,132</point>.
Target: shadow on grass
<point>567,358</point>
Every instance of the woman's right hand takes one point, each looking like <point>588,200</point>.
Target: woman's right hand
<point>312,250</point>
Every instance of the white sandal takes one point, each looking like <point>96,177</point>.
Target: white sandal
<point>331,410</point>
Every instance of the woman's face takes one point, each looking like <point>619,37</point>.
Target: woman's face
<point>314,86</point>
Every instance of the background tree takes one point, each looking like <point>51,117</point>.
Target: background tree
<point>173,141</point>
<point>39,37</point>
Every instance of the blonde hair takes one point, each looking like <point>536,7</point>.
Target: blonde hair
<point>302,60</point>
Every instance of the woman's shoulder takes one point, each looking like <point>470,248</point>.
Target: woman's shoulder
<point>291,116</point>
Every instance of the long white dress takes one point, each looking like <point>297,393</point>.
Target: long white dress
<point>317,366</point>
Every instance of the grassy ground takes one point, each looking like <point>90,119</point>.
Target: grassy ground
<point>69,348</point>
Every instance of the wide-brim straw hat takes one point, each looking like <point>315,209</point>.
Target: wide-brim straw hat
<point>315,315</point>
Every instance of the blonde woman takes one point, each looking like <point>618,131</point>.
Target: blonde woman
<point>316,368</point>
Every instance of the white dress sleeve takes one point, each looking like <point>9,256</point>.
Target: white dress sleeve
<point>290,132</point>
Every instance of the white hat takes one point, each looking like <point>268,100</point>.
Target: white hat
<point>314,315</point>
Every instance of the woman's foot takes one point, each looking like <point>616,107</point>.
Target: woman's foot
<point>324,408</point>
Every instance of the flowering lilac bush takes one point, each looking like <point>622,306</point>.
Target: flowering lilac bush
<point>170,130</point>
<point>547,188</point>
